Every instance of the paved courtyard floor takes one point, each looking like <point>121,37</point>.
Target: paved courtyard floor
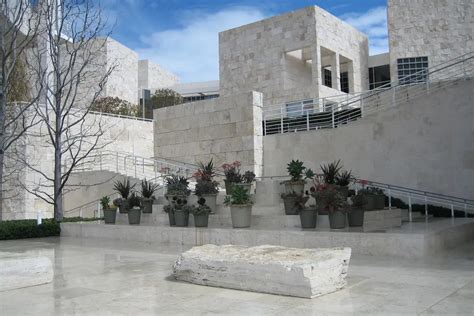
<point>94,277</point>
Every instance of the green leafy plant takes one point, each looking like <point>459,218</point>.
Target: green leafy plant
<point>358,201</point>
<point>297,170</point>
<point>177,185</point>
<point>330,171</point>
<point>239,196</point>
<point>248,177</point>
<point>201,208</point>
<point>28,228</point>
<point>133,201</point>
<point>148,188</point>
<point>371,191</point>
<point>123,187</point>
<point>344,178</point>
<point>205,183</point>
<point>104,201</point>
<point>206,187</point>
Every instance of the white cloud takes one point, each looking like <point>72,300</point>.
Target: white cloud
<point>374,24</point>
<point>192,50</point>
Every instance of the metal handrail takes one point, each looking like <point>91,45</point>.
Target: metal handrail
<point>131,117</point>
<point>317,113</point>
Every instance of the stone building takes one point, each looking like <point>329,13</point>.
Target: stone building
<point>300,55</point>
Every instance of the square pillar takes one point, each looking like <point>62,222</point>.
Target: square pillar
<point>335,72</point>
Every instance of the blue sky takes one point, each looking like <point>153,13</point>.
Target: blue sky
<point>182,36</point>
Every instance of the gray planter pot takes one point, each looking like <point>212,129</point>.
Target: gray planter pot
<point>123,207</point>
<point>290,207</point>
<point>356,217</point>
<point>241,215</point>
<point>147,205</point>
<point>110,215</point>
<point>228,187</point>
<point>201,220</point>
<point>211,201</point>
<point>181,218</point>
<point>171,218</point>
<point>294,186</point>
<point>308,218</point>
<point>134,216</point>
<point>337,220</point>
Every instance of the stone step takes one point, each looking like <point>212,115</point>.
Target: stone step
<point>380,220</point>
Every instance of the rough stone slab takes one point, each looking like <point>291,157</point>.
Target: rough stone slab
<point>17,271</point>
<point>297,272</point>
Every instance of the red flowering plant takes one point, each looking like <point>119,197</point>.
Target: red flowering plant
<point>232,172</point>
<point>328,196</point>
<point>205,183</point>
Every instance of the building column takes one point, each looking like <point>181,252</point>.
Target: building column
<point>335,72</point>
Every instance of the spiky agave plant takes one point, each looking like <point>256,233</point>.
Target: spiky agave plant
<point>330,171</point>
<point>123,187</point>
<point>148,188</point>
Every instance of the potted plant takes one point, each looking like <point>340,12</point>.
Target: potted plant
<point>206,186</point>
<point>330,171</point>
<point>110,213</point>
<point>375,198</point>
<point>247,179</point>
<point>232,175</point>
<point>308,215</point>
<point>181,216</point>
<point>298,173</point>
<point>135,211</point>
<point>356,215</point>
<point>169,209</point>
<point>124,189</point>
<point>147,199</point>
<point>290,202</point>
<point>332,200</point>
<point>201,213</point>
<point>240,207</point>
<point>177,190</point>
<point>343,179</point>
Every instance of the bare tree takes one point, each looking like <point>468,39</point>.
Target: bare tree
<point>18,29</point>
<point>74,42</point>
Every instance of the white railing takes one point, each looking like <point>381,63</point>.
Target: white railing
<point>129,117</point>
<point>331,112</point>
<point>128,164</point>
<point>422,197</point>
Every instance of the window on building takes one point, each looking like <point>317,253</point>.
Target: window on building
<point>199,97</point>
<point>412,70</point>
<point>379,76</point>
<point>344,82</point>
<point>327,77</point>
<point>300,108</point>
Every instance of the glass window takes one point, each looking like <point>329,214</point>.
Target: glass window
<point>412,70</point>
<point>379,76</point>
<point>327,78</point>
<point>345,82</point>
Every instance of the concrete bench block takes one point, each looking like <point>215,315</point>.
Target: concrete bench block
<point>297,272</point>
<point>17,271</point>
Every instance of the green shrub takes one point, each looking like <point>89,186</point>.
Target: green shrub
<point>28,228</point>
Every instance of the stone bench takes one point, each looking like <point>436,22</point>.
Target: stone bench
<point>17,271</point>
<point>297,272</point>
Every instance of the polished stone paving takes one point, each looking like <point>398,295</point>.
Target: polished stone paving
<point>94,277</point>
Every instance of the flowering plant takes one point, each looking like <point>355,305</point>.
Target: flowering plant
<point>329,196</point>
<point>232,172</point>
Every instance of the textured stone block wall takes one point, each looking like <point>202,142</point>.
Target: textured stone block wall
<point>223,129</point>
<point>254,56</point>
<point>439,29</point>
<point>153,76</point>
<point>123,82</point>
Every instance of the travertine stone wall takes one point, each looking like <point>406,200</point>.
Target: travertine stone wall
<point>223,129</point>
<point>254,56</point>
<point>425,144</point>
<point>439,29</point>
<point>124,135</point>
<point>153,76</point>
<point>123,82</point>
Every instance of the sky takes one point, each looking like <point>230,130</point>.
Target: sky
<point>182,36</point>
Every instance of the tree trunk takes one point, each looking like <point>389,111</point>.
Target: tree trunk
<point>58,192</point>
<point>3,105</point>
